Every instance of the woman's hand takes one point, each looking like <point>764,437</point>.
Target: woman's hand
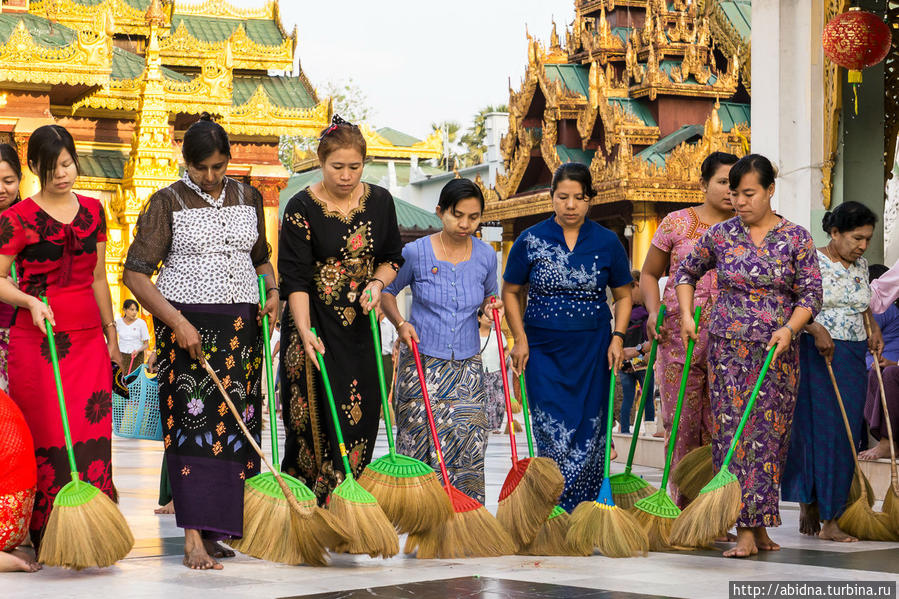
<point>781,339</point>
<point>884,362</point>
<point>271,309</point>
<point>151,363</point>
<point>519,354</point>
<point>494,304</point>
<point>371,296</point>
<point>688,329</point>
<point>407,333</point>
<point>312,344</point>
<point>823,342</point>
<point>39,312</point>
<point>189,339</point>
<point>651,328</point>
<point>112,345</point>
<point>875,342</point>
<point>616,353</point>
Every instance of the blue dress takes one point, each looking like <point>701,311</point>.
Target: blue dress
<point>567,323</point>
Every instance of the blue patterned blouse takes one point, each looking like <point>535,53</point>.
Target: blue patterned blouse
<point>567,288</point>
<point>446,297</point>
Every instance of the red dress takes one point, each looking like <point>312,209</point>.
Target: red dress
<point>18,474</point>
<point>58,260</point>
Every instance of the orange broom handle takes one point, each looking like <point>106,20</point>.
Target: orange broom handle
<point>502,369</point>
<point>427,402</point>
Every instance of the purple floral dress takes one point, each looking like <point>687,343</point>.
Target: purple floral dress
<point>759,288</point>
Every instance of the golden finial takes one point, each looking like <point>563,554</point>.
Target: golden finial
<point>155,15</point>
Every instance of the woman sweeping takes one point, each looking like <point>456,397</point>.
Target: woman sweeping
<point>819,470</point>
<point>58,242</point>
<point>207,231</point>
<point>769,288</point>
<point>340,248</point>
<point>134,337</point>
<point>565,344</point>
<point>10,176</point>
<point>453,276</point>
<point>673,241</point>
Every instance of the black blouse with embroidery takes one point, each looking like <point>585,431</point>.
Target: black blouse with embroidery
<point>332,257</point>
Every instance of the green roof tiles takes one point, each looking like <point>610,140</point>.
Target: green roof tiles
<point>127,65</point>
<point>636,108</point>
<point>739,13</point>
<point>656,152</point>
<point>397,138</point>
<point>574,77</point>
<point>212,29</point>
<point>106,164</point>
<point>41,30</point>
<point>287,92</point>
<point>567,154</point>
<point>138,4</point>
<point>732,114</point>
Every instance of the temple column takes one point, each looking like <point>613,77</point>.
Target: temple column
<point>646,221</point>
<point>787,97</point>
<point>270,188</point>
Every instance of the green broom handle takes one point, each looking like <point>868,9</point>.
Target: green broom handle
<point>672,438</point>
<point>269,375</point>
<point>506,393</point>
<point>333,407</point>
<point>51,341</point>
<point>749,406</point>
<point>644,391</point>
<point>15,277</point>
<point>609,419</point>
<point>427,401</point>
<point>379,360</point>
<point>527,414</point>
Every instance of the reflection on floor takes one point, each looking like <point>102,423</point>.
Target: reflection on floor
<point>154,570</point>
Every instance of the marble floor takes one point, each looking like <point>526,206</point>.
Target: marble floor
<point>154,569</point>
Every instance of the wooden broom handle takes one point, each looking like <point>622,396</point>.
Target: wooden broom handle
<point>288,494</point>
<point>894,475</point>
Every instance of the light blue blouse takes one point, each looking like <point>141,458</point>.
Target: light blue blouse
<point>446,297</point>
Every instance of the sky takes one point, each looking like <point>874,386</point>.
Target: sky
<point>421,61</point>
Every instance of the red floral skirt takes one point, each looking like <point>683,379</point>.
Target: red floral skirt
<point>87,384</point>
<point>15,514</point>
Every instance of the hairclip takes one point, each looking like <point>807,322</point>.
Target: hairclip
<point>336,122</point>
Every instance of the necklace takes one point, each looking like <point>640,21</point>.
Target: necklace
<point>343,211</point>
<point>443,247</point>
<point>830,254</point>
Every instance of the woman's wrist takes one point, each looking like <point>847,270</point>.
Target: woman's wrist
<point>618,335</point>
<point>377,280</point>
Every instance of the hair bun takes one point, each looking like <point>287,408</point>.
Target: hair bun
<point>205,116</point>
<point>827,221</point>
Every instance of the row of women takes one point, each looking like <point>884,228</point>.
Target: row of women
<point>340,256</point>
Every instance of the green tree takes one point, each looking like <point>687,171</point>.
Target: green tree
<point>473,139</point>
<point>451,148</point>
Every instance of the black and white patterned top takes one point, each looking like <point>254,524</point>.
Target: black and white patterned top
<point>206,250</point>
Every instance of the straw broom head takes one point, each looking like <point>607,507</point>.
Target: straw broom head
<point>860,521</point>
<point>412,499</point>
<point>626,499</point>
<point>609,528</point>
<point>891,508</point>
<point>528,496</point>
<point>550,539</point>
<point>855,489</point>
<point>694,471</point>
<point>711,514</point>
<point>358,511</point>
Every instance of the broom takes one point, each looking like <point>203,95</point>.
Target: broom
<point>717,506</point>
<point>628,488</point>
<point>471,531</point>
<point>406,489</point>
<point>601,523</point>
<point>656,513</point>
<point>353,506</point>
<point>694,471</point>
<point>859,520</point>
<point>533,486</point>
<point>86,528</point>
<point>272,528</point>
<point>550,538</point>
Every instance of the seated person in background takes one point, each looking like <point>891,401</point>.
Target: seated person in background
<point>889,326</point>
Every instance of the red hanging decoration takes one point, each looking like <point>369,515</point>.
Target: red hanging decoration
<point>856,40</point>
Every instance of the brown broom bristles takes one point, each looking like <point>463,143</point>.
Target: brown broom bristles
<point>93,534</point>
<point>708,517</point>
<point>855,489</point>
<point>536,485</point>
<point>610,529</point>
<point>891,508</point>
<point>693,472</point>
<point>626,501</point>
<point>550,539</point>
<point>413,504</point>
<point>658,530</point>
<point>860,521</point>
<point>472,531</point>
<point>372,532</point>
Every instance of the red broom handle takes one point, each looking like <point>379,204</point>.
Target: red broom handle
<point>502,369</point>
<point>427,402</point>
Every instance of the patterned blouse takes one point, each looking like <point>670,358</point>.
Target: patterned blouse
<point>567,289</point>
<point>846,297</point>
<point>677,234</point>
<point>205,249</point>
<point>759,287</point>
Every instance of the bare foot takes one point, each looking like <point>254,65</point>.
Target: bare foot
<point>18,560</point>
<point>809,519</point>
<point>658,434</point>
<point>217,549</point>
<point>168,508</point>
<point>831,532</point>
<point>763,541</point>
<point>745,544</point>
<point>881,450</point>
<point>195,555</point>
<point>614,453</point>
<point>728,538</point>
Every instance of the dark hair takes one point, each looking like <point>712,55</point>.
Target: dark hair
<point>340,134</point>
<point>457,190</point>
<point>9,155</point>
<point>635,275</point>
<point>128,303</point>
<point>574,171</point>
<point>713,161</point>
<point>753,163</point>
<point>203,139</point>
<point>44,147</point>
<point>875,271</point>
<point>848,216</point>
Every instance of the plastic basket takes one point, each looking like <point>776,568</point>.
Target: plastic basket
<point>137,416</point>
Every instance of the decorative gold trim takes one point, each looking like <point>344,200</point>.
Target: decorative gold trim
<point>378,145</point>
<point>127,19</point>
<point>260,116</point>
<point>183,49</point>
<point>224,10</point>
<point>833,105</point>
<point>729,41</point>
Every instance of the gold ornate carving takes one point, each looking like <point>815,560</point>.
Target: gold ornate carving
<point>833,103</point>
<point>260,116</point>
<point>128,19</point>
<point>225,10</point>
<point>181,48</point>
<point>729,41</point>
<point>378,145</point>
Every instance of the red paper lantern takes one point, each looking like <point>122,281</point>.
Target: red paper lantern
<point>856,40</point>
